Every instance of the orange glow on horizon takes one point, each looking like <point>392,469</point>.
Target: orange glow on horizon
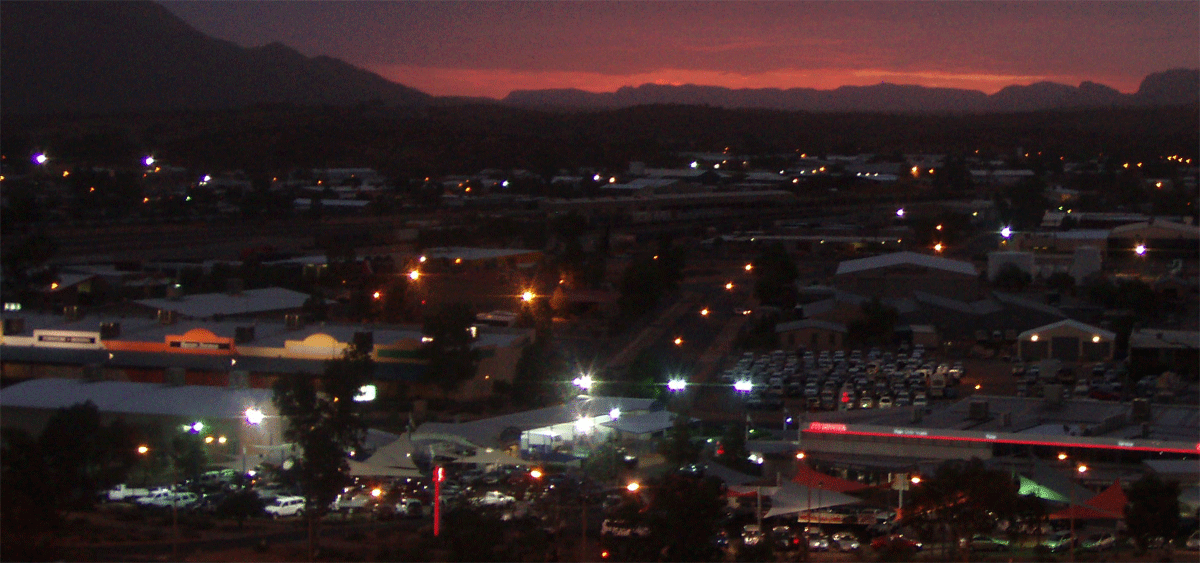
<point>498,83</point>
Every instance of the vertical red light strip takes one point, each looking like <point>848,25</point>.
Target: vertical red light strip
<point>438,476</point>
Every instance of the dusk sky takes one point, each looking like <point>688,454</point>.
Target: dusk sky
<point>491,48</point>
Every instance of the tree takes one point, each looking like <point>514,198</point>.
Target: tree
<point>678,448</point>
<point>1011,277</point>
<point>187,455</point>
<point>82,455</point>
<point>962,498</point>
<point>1153,509</point>
<point>1061,282</point>
<point>452,360</point>
<point>775,272</point>
<point>877,326</point>
<point>240,505</point>
<point>604,463</point>
<point>324,422</point>
<point>732,452</point>
<point>682,515</point>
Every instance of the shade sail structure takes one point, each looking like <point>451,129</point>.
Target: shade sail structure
<point>1112,499</point>
<point>364,469</point>
<point>790,498</point>
<point>397,454</point>
<point>1030,487</point>
<point>809,477</point>
<point>1084,512</point>
<point>492,457</point>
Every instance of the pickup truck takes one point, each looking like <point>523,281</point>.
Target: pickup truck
<point>123,492</point>
<point>350,503</point>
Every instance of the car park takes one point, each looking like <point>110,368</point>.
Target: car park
<point>783,538</point>
<point>816,540</point>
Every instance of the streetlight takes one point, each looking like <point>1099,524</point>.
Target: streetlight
<point>900,213</point>
<point>743,385</point>
<point>633,487</point>
<point>729,286</point>
<point>677,384</point>
<point>1140,249</point>
<point>254,416</point>
<point>614,413</point>
<point>40,158</point>
<point>414,275</point>
<point>1006,232</point>
<point>678,341</point>
<point>1081,469</point>
<point>583,382</point>
<point>527,296</point>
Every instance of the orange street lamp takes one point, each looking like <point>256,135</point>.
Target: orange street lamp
<point>749,267</point>
<point>414,275</point>
<point>729,286</point>
<point>633,487</point>
<point>527,296</point>
<point>678,341</point>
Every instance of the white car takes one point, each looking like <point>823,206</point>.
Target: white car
<point>177,500</point>
<point>285,506</point>
<point>153,497</point>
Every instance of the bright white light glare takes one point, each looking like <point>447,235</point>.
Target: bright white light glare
<point>527,296</point>
<point>366,394</point>
<point>695,164</point>
<point>583,425</point>
<point>40,158</point>
<point>504,183</point>
<point>1006,232</point>
<point>197,427</point>
<point>149,160</point>
<point>584,382</point>
<point>414,275</point>
<point>1140,249</point>
<point>743,385</point>
<point>615,413</point>
<point>254,416</point>
<point>596,178</point>
<point>677,385</point>
<point>207,178</point>
<point>900,212</point>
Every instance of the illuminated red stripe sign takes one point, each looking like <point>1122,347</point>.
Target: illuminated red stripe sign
<point>995,437</point>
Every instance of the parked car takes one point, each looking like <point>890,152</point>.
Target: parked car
<point>895,542</point>
<point>751,534</point>
<point>1060,541</point>
<point>845,542</point>
<point>1099,542</point>
<point>614,528</point>
<point>283,507</point>
<point>981,542</point>
<point>1193,541</point>
<point>155,495</point>
<point>816,540</point>
<point>783,538</point>
<point>123,492</point>
<point>175,500</point>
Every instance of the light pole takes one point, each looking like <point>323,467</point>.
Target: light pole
<point>1081,469</point>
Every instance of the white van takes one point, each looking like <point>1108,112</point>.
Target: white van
<point>285,506</point>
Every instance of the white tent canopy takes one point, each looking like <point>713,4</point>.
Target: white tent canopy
<point>364,469</point>
<point>791,498</point>
<point>492,457</point>
<point>396,454</point>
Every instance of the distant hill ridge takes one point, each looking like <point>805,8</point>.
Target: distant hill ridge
<point>103,57</point>
<point>134,56</point>
<point>1179,87</point>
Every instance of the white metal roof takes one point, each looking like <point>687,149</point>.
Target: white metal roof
<point>206,305</point>
<point>906,258</point>
<point>1081,327</point>
<point>196,401</point>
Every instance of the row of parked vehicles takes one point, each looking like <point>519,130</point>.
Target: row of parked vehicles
<point>829,381</point>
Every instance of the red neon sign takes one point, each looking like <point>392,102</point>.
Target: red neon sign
<point>827,427</point>
<point>837,428</point>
